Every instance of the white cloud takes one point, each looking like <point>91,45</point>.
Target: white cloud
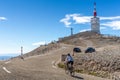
<point>39,43</point>
<point>3,18</point>
<point>85,30</point>
<point>70,19</point>
<point>102,28</point>
<point>113,24</point>
<point>81,19</point>
<point>110,18</point>
<point>66,20</point>
<point>75,19</point>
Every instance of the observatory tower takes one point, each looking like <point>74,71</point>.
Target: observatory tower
<point>95,23</point>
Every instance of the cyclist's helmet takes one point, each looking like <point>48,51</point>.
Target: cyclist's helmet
<point>68,54</point>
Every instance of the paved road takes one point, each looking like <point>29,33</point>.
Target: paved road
<point>42,67</point>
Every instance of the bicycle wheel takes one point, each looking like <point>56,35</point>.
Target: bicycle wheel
<point>72,72</point>
<point>66,69</point>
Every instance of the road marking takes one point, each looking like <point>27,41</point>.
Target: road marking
<point>4,68</point>
<point>63,47</point>
<point>53,65</point>
<point>7,62</point>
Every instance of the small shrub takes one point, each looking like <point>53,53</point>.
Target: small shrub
<point>94,73</point>
<point>79,71</point>
<point>61,65</point>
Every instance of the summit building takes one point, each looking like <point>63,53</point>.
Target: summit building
<point>95,23</point>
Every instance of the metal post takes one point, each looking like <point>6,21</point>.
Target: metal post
<point>22,53</point>
<point>71,31</point>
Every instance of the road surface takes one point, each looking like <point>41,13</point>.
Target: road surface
<point>41,67</point>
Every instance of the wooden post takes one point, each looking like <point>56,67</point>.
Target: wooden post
<point>63,57</point>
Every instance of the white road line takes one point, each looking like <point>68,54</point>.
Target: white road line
<point>4,68</point>
<point>7,62</point>
<point>63,47</point>
<point>53,65</point>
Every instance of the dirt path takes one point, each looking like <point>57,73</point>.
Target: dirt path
<point>40,67</point>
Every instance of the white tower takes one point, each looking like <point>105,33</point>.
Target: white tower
<point>95,24</point>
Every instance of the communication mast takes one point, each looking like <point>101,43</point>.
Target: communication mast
<point>95,23</point>
<point>71,31</point>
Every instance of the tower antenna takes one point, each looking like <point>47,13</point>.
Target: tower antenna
<point>71,31</point>
<point>95,12</point>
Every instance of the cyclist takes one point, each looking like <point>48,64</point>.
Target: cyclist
<point>69,60</point>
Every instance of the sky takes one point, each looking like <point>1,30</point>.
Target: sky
<point>31,23</point>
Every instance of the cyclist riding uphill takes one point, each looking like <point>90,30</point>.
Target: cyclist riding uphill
<point>69,60</point>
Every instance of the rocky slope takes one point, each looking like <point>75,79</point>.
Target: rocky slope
<point>104,62</point>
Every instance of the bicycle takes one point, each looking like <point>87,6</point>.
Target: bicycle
<point>69,70</point>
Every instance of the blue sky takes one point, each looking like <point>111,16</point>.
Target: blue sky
<point>29,23</point>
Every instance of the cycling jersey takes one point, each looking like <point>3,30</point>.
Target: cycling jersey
<point>69,58</point>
